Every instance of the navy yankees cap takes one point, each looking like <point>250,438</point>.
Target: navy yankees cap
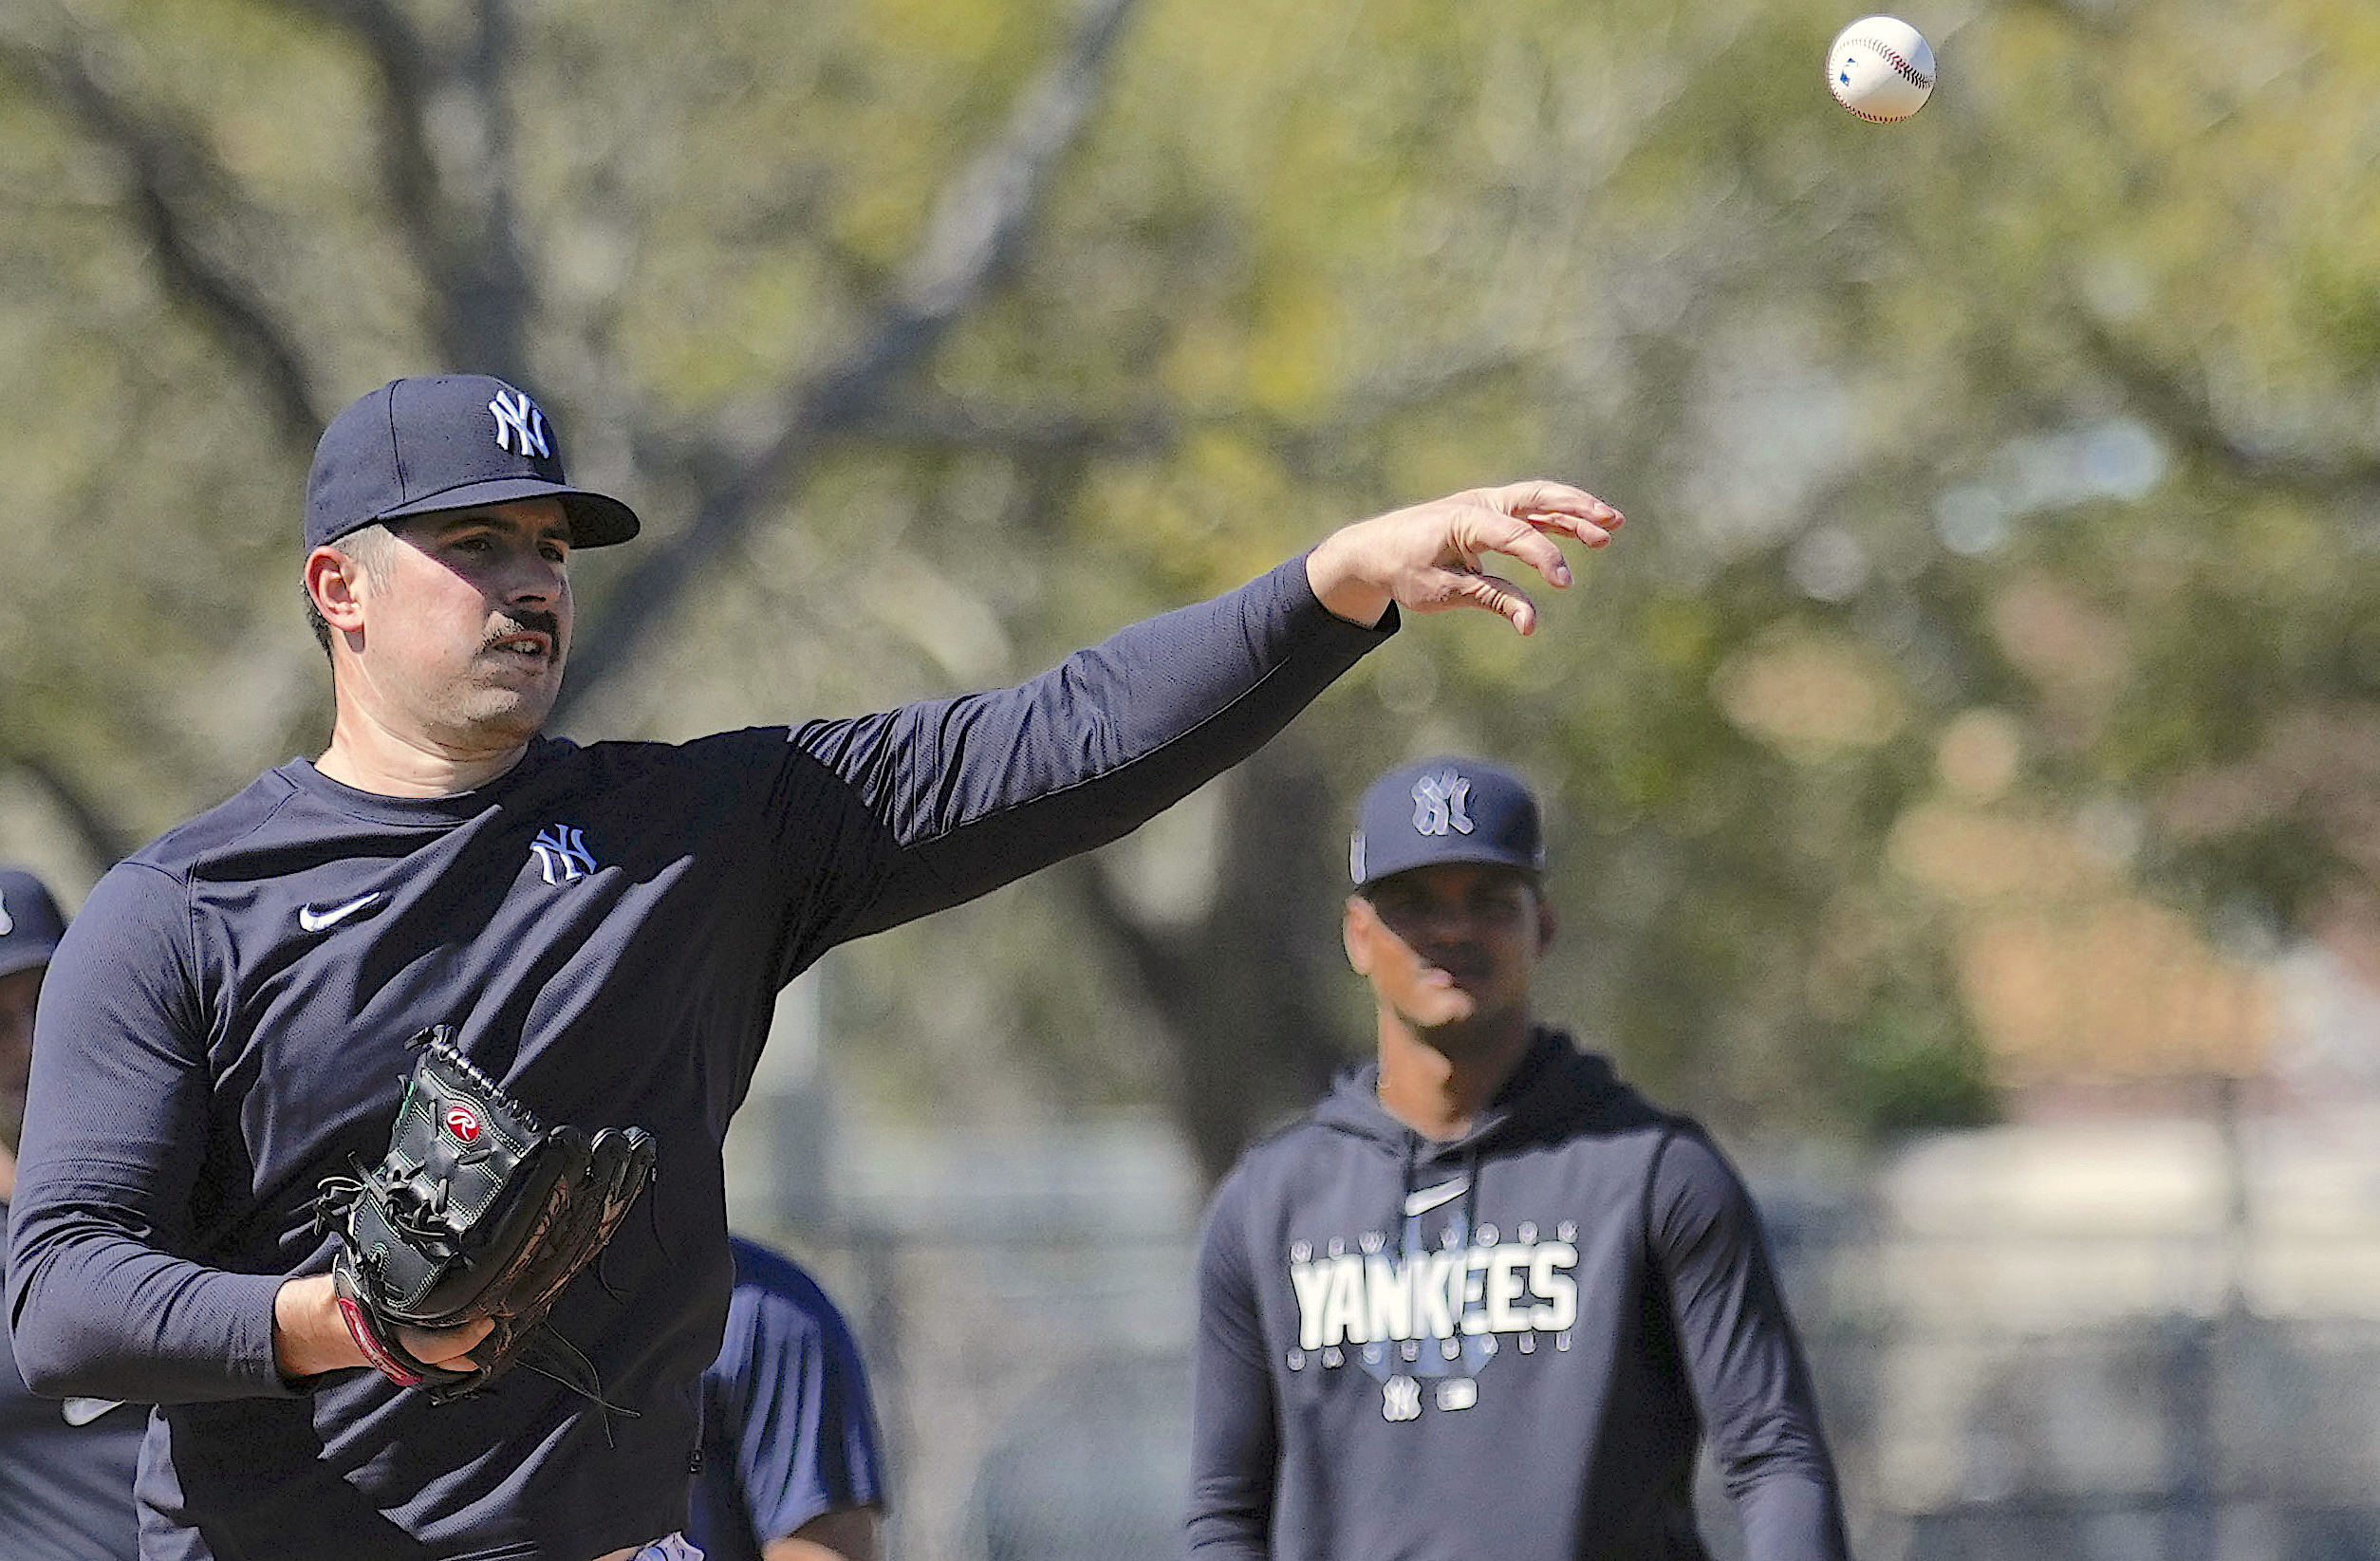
<point>1444,810</point>
<point>414,447</point>
<point>29,923</point>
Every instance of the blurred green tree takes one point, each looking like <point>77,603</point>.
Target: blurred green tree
<point>2016,460</point>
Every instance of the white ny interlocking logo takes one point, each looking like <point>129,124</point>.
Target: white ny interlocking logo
<point>1399,1399</point>
<point>562,853</point>
<point>1438,805</point>
<point>515,414</point>
<point>7,925</point>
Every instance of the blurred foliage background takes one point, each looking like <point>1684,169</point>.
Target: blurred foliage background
<point>2001,484</point>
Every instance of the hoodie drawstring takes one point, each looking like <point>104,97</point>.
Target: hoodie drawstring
<point>1400,1221</point>
<point>1471,1193</point>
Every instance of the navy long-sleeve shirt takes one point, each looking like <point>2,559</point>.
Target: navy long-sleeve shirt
<point>66,1471</point>
<point>1509,1344</point>
<point>606,927</point>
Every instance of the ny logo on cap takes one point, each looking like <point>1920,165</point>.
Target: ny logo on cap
<point>7,925</point>
<point>1438,805</point>
<point>515,414</point>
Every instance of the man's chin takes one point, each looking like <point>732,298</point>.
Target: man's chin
<point>522,676</point>
<point>507,717</point>
<point>1462,1027</point>
<point>1450,1011</point>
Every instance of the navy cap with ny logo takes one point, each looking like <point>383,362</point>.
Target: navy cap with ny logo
<point>451,441</point>
<point>1444,810</point>
<point>30,925</point>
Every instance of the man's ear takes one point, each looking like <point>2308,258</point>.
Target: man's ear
<point>1548,924</point>
<point>332,578</point>
<point>1355,929</point>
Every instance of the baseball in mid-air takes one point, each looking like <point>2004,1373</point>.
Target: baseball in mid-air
<point>1881,68</point>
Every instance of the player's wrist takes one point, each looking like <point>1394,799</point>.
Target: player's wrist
<point>309,1336</point>
<point>1333,572</point>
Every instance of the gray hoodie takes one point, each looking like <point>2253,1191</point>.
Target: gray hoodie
<point>1507,1344</point>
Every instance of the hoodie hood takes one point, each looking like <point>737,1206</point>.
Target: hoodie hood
<point>1556,1087</point>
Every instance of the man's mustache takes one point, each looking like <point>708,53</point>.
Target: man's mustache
<point>1466,961</point>
<point>530,621</point>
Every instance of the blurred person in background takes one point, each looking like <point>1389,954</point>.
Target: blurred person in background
<point>66,1468</point>
<point>1485,1300</point>
<point>790,1469</point>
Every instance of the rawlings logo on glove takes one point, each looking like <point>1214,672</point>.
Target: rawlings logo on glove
<point>478,1210</point>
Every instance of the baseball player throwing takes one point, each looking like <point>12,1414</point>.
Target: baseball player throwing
<point>599,931</point>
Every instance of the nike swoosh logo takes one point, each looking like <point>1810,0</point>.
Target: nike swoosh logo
<point>1426,1199</point>
<point>84,1411</point>
<point>314,920</point>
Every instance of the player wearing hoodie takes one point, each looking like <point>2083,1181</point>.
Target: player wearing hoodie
<point>1486,1300</point>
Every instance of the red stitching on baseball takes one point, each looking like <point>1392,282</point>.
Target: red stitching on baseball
<point>1908,72</point>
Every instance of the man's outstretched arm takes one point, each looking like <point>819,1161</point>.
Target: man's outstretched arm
<point>969,793</point>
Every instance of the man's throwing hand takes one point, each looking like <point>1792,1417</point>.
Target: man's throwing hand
<point>1428,558</point>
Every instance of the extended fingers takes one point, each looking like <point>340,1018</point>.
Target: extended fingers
<point>1441,591</point>
<point>1485,528</point>
<point>1430,556</point>
<point>1543,502</point>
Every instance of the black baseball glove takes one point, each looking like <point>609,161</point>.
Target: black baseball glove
<point>478,1210</point>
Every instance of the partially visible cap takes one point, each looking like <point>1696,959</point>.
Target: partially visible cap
<point>1444,810</point>
<point>455,441</point>
<point>29,923</point>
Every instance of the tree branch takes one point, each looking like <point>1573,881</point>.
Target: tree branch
<point>2187,416</point>
<point>172,176</point>
<point>977,229</point>
<point>953,421</point>
<point>408,77</point>
<point>1253,1047</point>
<point>468,250</point>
